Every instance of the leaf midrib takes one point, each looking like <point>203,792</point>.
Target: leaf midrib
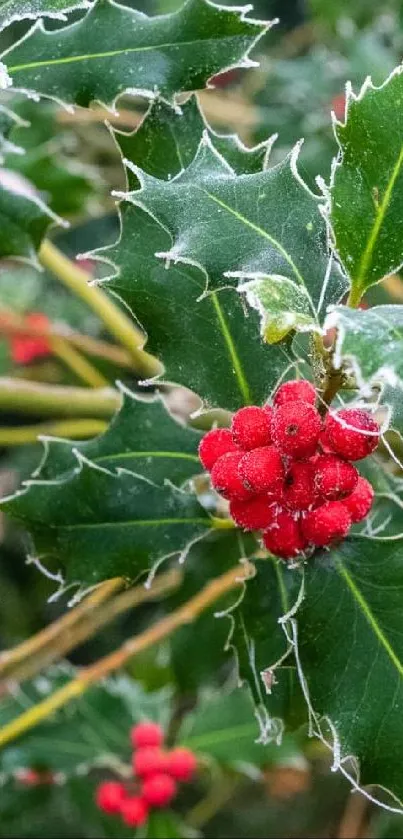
<point>129,455</point>
<point>369,616</point>
<point>276,244</point>
<point>131,523</point>
<point>365,261</point>
<point>222,736</point>
<point>71,59</point>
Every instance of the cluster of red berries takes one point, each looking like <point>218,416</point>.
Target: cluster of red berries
<point>156,776</point>
<point>288,472</point>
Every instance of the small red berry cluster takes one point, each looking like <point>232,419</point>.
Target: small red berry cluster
<point>25,347</point>
<point>156,776</point>
<point>288,472</point>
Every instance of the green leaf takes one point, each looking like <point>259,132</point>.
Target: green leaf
<point>284,306</point>
<point>106,516</point>
<point>223,727</point>
<point>267,224</point>
<point>115,49</point>
<point>94,730</point>
<point>366,192</point>
<point>24,218</point>
<point>168,139</point>
<point>264,654</point>
<point>350,652</point>
<point>370,344</point>
<point>16,10</point>
<point>143,437</point>
<point>183,323</point>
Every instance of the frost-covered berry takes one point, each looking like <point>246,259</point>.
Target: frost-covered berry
<point>110,796</point>
<point>214,444</point>
<point>334,478</point>
<point>181,764</point>
<point>360,501</point>
<point>327,523</point>
<point>299,491</point>
<point>251,427</point>
<point>134,811</point>
<point>226,479</point>
<point>149,761</point>
<point>352,433</point>
<point>146,734</point>
<point>159,790</point>
<point>262,470</point>
<point>296,427</point>
<point>284,537</point>
<point>255,514</point>
<point>295,391</point>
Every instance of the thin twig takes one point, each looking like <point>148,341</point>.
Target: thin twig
<point>74,429</point>
<point>353,817</point>
<point>186,614</point>
<point>66,635</point>
<point>116,321</point>
<point>35,398</point>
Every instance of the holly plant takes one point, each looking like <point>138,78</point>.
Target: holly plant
<point>219,408</point>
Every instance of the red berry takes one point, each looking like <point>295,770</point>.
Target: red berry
<point>148,761</point>
<point>299,491</point>
<point>25,348</point>
<point>134,811</point>
<point>255,514</point>
<point>352,433</point>
<point>251,427</point>
<point>159,790</point>
<point>262,470</point>
<point>109,796</point>
<point>296,428</point>
<point>360,501</point>
<point>226,479</point>
<point>146,734</point>
<point>334,478</point>
<point>181,764</point>
<point>327,523</point>
<point>296,391</point>
<point>214,444</point>
<point>284,538</point>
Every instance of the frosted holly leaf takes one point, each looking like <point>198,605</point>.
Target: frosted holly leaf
<point>115,49</point>
<point>216,333</point>
<point>283,306</point>
<point>348,641</point>
<point>366,204</point>
<point>240,227</point>
<point>370,345</point>
<point>109,508</point>
<point>24,217</point>
<point>15,10</point>
<point>168,139</point>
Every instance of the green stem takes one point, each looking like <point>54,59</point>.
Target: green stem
<point>80,429</point>
<point>35,399</point>
<point>77,363</point>
<point>116,321</point>
<point>354,298</point>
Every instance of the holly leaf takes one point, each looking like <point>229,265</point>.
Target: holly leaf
<point>16,10</point>
<point>370,345</point>
<point>366,205</point>
<point>269,225</point>
<point>24,218</point>
<point>111,514</point>
<point>142,437</point>
<point>94,730</point>
<point>168,139</point>
<point>349,645</point>
<point>114,49</point>
<point>264,654</point>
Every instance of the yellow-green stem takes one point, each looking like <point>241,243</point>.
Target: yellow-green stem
<point>80,429</point>
<point>354,297</point>
<point>186,614</point>
<point>36,399</point>
<point>116,321</point>
<point>77,363</point>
